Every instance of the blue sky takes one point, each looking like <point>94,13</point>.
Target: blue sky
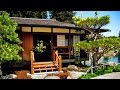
<point>114,24</point>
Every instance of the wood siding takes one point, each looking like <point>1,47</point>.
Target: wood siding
<point>27,45</point>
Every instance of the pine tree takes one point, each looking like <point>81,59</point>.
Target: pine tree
<point>29,14</point>
<point>63,16</point>
<point>119,34</point>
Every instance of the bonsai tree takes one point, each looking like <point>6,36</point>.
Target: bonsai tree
<point>9,41</point>
<point>99,47</point>
<point>93,25</point>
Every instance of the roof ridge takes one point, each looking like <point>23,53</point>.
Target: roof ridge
<point>34,18</point>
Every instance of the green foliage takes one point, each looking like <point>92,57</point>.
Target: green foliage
<point>119,34</point>
<point>101,71</point>
<point>40,48</point>
<point>116,68</point>
<point>29,14</point>
<point>105,43</point>
<point>9,41</point>
<point>108,70</point>
<point>91,22</point>
<point>63,16</point>
<point>87,76</point>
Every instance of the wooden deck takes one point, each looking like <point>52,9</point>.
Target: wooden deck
<point>38,67</point>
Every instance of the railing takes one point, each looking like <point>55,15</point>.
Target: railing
<point>32,60</point>
<point>57,59</point>
<point>55,64</point>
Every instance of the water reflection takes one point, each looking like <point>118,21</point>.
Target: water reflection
<point>115,59</point>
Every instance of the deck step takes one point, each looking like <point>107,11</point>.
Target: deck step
<point>36,63</point>
<point>44,66</point>
<point>44,69</point>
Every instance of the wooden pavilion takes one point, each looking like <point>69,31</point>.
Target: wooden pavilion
<point>56,36</point>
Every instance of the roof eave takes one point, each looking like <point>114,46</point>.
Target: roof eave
<point>52,26</point>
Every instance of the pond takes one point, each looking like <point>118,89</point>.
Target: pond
<point>115,59</point>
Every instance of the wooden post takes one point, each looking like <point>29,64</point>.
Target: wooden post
<point>60,63</point>
<point>51,43</point>
<point>56,58</point>
<point>69,44</point>
<point>84,62</point>
<point>31,59</point>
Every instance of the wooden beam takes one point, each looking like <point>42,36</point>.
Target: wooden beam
<point>69,43</point>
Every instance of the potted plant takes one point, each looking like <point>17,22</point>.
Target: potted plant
<point>39,49</point>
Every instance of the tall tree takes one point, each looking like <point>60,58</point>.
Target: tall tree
<point>91,24</point>
<point>119,34</point>
<point>29,14</point>
<point>9,41</point>
<point>63,16</point>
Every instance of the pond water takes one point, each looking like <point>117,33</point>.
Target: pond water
<point>115,59</point>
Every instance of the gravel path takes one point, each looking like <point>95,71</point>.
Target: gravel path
<point>114,75</point>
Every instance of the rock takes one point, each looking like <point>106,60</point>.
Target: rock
<point>72,68</point>
<point>52,77</point>
<point>75,75</point>
<point>42,76</point>
<point>111,63</point>
<point>29,75</point>
<point>69,77</point>
<point>10,76</point>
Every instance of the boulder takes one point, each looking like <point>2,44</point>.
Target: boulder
<point>111,63</point>
<point>10,76</point>
<point>75,75</point>
<point>72,68</point>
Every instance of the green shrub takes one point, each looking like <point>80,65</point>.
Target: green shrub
<point>99,72</point>
<point>116,68</point>
<point>87,76</point>
<point>109,70</point>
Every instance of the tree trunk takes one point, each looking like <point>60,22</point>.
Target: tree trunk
<point>94,59</point>
<point>0,69</point>
<point>91,59</point>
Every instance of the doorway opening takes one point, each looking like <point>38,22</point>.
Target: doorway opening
<point>45,55</point>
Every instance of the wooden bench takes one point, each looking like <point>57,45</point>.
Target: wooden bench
<point>56,64</point>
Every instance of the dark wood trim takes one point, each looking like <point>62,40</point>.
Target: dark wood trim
<point>20,31</point>
<point>32,29</point>
<point>69,43</point>
<point>51,41</point>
